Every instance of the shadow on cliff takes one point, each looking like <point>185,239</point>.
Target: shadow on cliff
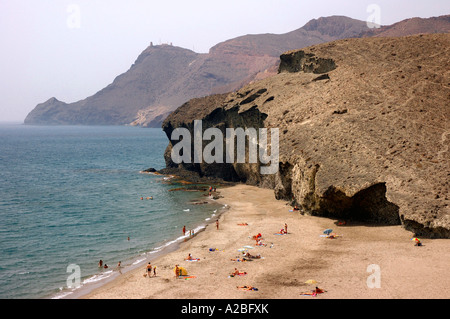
<point>369,205</point>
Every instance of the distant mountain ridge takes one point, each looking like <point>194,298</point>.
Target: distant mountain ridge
<point>164,77</point>
<point>412,26</point>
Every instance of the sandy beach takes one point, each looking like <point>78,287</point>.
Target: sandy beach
<point>341,266</point>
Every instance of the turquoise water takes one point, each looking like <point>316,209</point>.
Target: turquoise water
<point>71,195</point>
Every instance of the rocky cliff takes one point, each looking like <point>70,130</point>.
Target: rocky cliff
<point>363,129</point>
<point>165,76</point>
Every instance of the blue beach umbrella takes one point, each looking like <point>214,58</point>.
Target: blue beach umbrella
<point>327,231</point>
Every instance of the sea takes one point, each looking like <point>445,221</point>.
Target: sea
<point>71,196</point>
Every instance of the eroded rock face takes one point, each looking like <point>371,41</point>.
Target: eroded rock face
<point>366,139</point>
<point>299,61</point>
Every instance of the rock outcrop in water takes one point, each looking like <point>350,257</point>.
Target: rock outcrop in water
<point>363,126</point>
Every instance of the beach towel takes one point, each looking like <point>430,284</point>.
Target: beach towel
<point>193,259</point>
<point>308,294</point>
<point>247,288</point>
<point>313,294</point>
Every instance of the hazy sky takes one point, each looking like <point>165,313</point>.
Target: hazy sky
<point>72,49</point>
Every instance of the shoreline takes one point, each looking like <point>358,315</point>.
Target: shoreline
<point>169,245</point>
<point>345,267</point>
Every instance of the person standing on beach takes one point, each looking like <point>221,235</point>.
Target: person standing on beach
<point>149,269</point>
<point>184,230</point>
<point>217,224</point>
<point>285,228</point>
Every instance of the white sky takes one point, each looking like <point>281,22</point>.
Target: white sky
<point>72,49</point>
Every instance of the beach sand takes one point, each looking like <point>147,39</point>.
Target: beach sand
<point>341,266</point>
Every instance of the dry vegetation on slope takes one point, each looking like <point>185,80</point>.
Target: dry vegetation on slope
<point>366,138</point>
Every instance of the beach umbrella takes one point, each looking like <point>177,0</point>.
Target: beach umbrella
<point>327,231</point>
<point>415,239</point>
<point>311,282</point>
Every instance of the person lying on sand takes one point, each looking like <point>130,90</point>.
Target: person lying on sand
<point>243,224</point>
<point>252,256</point>
<point>314,292</point>
<point>239,259</point>
<point>237,273</point>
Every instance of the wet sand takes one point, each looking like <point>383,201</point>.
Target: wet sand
<point>341,266</point>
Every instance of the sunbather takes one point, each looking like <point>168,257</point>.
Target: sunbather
<point>237,273</point>
<point>313,292</point>
<point>238,259</point>
<point>251,256</point>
